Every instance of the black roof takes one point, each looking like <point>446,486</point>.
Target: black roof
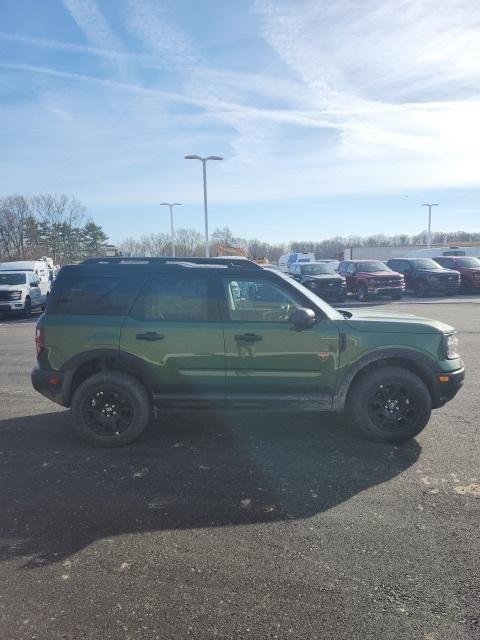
<point>130,266</point>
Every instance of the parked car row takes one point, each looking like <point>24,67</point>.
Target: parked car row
<point>366,279</point>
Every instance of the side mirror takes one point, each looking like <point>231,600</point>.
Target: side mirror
<point>303,318</point>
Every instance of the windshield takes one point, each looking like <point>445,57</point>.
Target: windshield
<point>467,262</point>
<point>371,267</point>
<point>426,264</point>
<point>12,278</point>
<point>316,269</point>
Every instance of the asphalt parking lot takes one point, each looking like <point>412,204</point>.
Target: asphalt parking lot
<point>239,526</point>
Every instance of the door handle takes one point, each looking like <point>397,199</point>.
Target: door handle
<point>150,336</point>
<point>249,337</point>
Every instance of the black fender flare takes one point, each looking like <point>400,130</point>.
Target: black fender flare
<point>121,361</point>
<point>421,364</point>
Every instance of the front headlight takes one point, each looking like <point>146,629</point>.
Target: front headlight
<point>451,346</point>
<point>15,295</point>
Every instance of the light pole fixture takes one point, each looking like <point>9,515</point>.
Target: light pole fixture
<point>171,205</point>
<point>205,206</point>
<point>429,235</point>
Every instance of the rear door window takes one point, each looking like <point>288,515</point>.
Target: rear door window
<point>177,299</point>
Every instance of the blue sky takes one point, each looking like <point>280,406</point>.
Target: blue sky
<point>334,118</point>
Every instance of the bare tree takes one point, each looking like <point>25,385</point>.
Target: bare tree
<point>56,215</point>
<point>189,242</point>
<point>222,236</point>
<point>14,213</point>
<point>156,244</point>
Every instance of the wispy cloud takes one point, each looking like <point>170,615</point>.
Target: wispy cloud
<point>92,23</point>
<point>73,48</point>
<point>354,98</point>
<point>373,72</point>
<point>150,23</point>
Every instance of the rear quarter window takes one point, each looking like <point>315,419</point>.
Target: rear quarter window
<point>109,296</point>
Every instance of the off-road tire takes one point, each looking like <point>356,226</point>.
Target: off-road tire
<point>125,414</point>
<point>369,404</point>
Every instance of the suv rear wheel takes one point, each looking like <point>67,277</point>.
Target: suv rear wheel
<point>110,409</point>
<point>390,404</point>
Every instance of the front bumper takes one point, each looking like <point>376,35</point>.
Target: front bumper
<point>387,290</point>
<point>471,284</point>
<point>11,307</point>
<point>330,293</point>
<point>326,291</point>
<point>54,385</point>
<point>446,386</point>
<point>443,287</point>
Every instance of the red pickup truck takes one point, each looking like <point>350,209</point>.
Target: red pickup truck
<point>369,278</point>
<point>468,267</point>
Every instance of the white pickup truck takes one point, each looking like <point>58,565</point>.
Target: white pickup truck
<point>20,292</point>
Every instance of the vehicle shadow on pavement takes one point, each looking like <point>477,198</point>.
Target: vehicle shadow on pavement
<point>58,495</point>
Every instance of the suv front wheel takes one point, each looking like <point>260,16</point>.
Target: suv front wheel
<point>110,409</point>
<point>421,289</point>
<point>390,404</point>
<point>27,308</point>
<point>362,293</point>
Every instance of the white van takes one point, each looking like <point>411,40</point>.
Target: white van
<point>288,259</point>
<point>20,292</point>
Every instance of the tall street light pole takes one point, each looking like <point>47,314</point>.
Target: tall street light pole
<point>171,205</point>
<point>429,236</point>
<point>205,206</point>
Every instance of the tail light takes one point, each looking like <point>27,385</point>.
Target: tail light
<point>40,340</point>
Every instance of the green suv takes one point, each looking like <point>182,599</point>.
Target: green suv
<point>124,338</point>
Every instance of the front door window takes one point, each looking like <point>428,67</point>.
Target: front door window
<point>256,300</point>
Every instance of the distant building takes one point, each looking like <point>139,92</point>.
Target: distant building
<point>110,250</point>
<point>412,250</point>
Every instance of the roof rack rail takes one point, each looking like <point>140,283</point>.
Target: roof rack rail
<point>232,262</point>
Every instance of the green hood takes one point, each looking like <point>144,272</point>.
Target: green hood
<point>371,320</point>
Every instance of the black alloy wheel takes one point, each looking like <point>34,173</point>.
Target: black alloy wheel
<point>389,404</point>
<point>394,407</point>
<point>107,412</point>
<point>110,409</point>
